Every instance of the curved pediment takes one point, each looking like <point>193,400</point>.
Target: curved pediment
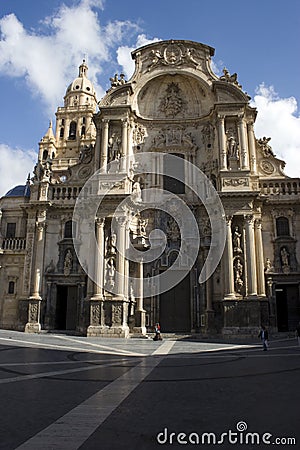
<point>173,97</point>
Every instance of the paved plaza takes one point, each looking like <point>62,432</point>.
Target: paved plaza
<point>69,392</point>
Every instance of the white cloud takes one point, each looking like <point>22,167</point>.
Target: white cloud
<point>277,118</point>
<point>15,166</point>
<point>49,57</point>
<point>124,54</point>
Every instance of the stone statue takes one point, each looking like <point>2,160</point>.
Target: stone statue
<point>232,146</point>
<point>111,244</point>
<point>136,192</point>
<point>51,267</point>
<point>284,257</point>
<point>268,266</point>
<point>238,272</point>
<point>68,263</point>
<point>142,225</point>
<point>265,147</point>
<point>110,271</point>
<point>237,241</point>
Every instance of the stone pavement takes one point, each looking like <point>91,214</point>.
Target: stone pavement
<point>69,392</point>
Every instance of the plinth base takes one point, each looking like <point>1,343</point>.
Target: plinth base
<point>108,332</point>
<point>32,327</point>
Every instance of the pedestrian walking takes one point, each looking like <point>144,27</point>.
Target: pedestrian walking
<point>298,333</point>
<point>157,336</point>
<point>264,336</point>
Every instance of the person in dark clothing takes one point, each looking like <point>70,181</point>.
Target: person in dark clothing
<point>264,335</point>
<point>157,336</point>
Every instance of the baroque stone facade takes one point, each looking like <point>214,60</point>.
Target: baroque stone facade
<point>173,105</point>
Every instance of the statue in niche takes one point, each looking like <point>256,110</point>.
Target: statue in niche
<point>136,192</point>
<point>237,241</point>
<point>142,225</point>
<point>284,256</point>
<point>110,271</point>
<point>114,143</point>
<point>68,263</point>
<point>112,244</point>
<point>232,145</point>
<point>238,273</point>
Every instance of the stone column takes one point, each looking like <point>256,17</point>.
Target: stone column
<point>251,259</point>
<point>104,146</point>
<point>228,254</point>
<point>140,314</point>
<point>120,263</point>
<point>252,149</point>
<point>259,258</point>
<point>99,258</point>
<point>34,307</point>
<point>124,144</point>
<point>96,301</point>
<point>97,150</point>
<point>222,143</point>
<point>243,144</point>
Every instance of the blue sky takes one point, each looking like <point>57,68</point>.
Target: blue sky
<point>42,44</point>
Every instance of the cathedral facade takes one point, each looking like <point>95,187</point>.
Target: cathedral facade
<point>153,157</point>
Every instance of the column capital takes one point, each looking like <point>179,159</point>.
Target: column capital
<point>228,220</point>
<point>258,223</point>
<point>100,221</point>
<point>105,122</point>
<point>249,218</point>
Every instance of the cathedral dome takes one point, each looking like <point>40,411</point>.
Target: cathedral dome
<point>81,86</point>
<point>19,191</point>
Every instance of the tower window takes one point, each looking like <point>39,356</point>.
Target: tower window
<point>70,229</point>
<point>72,131</point>
<point>11,230</point>
<point>62,132</point>
<point>11,287</point>
<point>45,154</point>
<point>62,122</point>
<point>83,120</point>
<point>83,131</point>
<point>282,226</point>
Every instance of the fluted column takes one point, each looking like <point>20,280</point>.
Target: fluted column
<point>259,258</point>
<point>34,306</point>
<point>251,257</point>
<point>229,275</point>
<point>124,143</point>
<point>252,150</point>
<point>121,256</point>
<point>99,258</point>
<point>104,145</point>
<point>243,144</point>
<point>222,143</point>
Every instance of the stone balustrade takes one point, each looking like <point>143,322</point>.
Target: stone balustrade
<point>14,244</point>
<point>280,187</point>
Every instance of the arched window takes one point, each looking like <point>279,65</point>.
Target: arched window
<point>11,287</point>
<point>82,130</point>
<point>45,154</point>
<point>62,132</point>
<point>72,130</point>
<point>70,229</point>
<point>282,226</point>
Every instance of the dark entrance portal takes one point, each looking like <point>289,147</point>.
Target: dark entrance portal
<point>66,307</point>
<point>288,306</point>
<point>175,309</point>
